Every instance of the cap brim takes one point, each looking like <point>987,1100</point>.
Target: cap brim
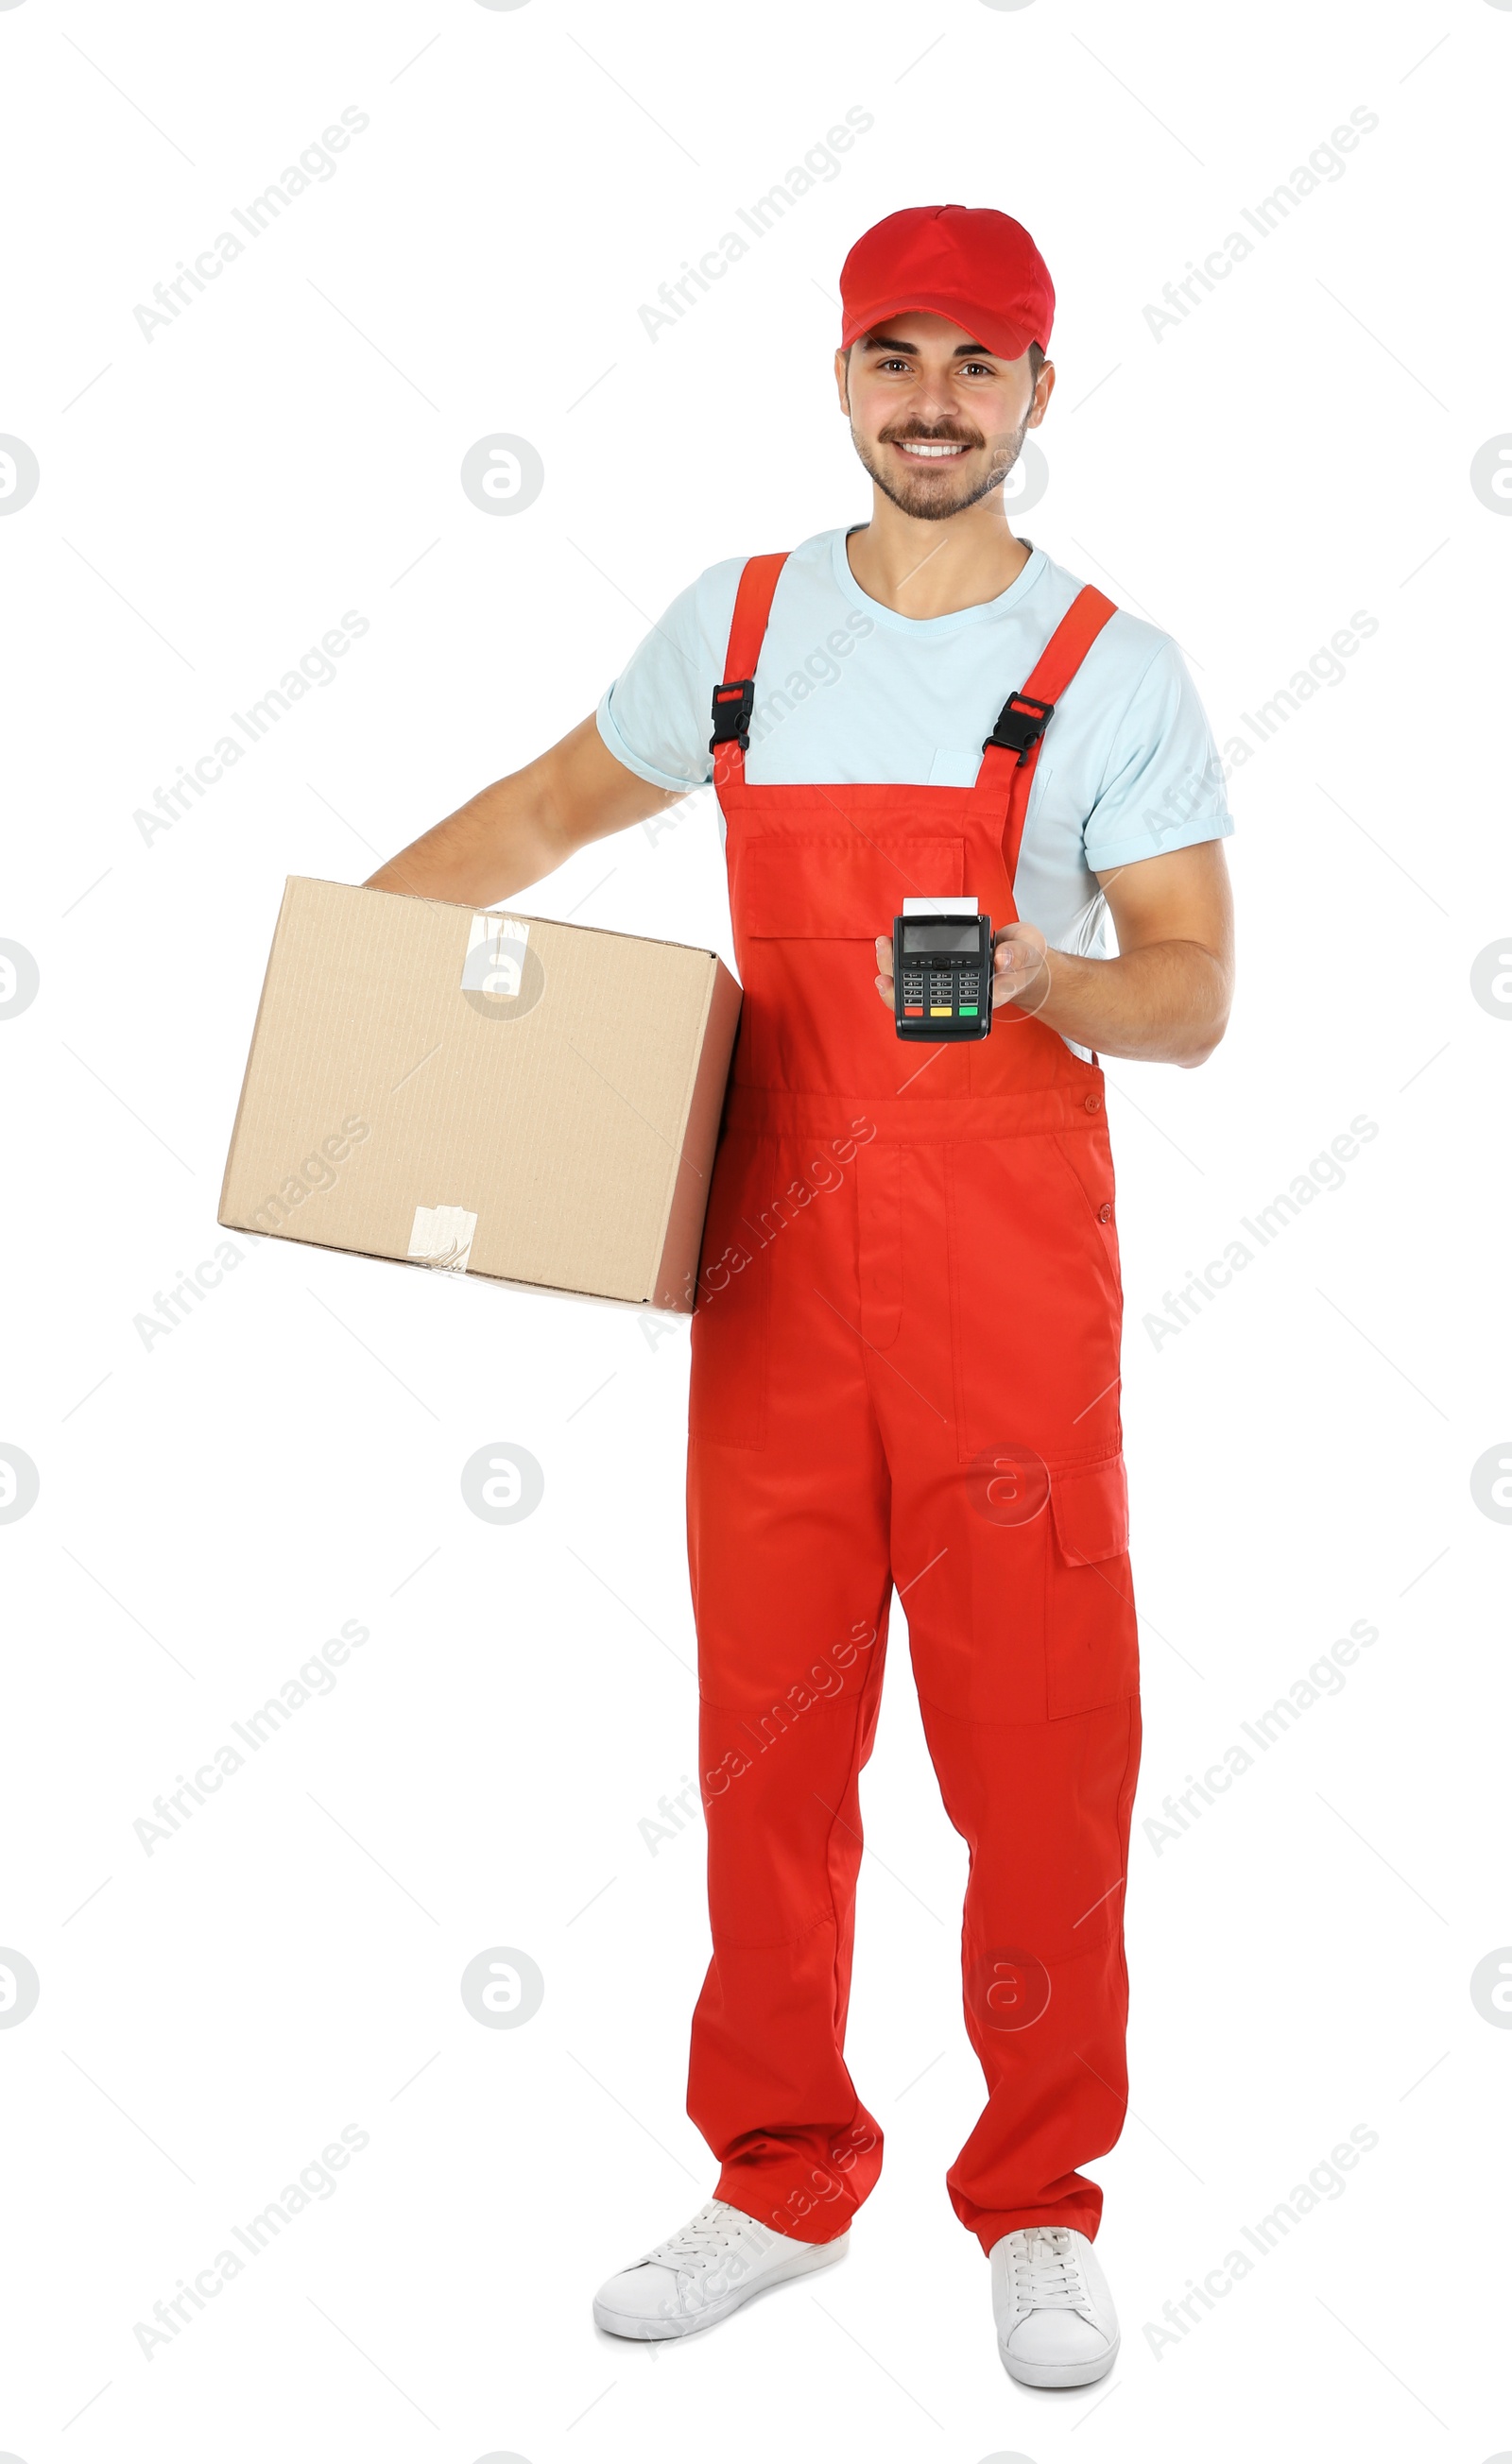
<point>1005,340</point>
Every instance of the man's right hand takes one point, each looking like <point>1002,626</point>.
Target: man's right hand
<point>522,828</point>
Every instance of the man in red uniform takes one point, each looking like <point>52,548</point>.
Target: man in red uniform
<point>905,1348</point>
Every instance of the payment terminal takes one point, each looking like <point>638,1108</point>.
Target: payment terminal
<point>942,970</point>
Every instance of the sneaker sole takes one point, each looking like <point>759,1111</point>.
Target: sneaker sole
<point>1060,2374</point>
<point>656,2331</point>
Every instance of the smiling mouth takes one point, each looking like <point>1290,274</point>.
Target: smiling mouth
<point>920,448</point>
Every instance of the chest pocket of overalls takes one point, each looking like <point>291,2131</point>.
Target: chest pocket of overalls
<point>813,1013</point>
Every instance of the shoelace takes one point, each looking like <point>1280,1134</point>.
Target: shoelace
<point>695,2247</point>
<point>1045,2273</point>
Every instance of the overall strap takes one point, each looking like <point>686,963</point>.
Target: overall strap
<point>735,697</point>
<point>1012,750</point>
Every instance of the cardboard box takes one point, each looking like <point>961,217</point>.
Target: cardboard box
<point>485,1092</point>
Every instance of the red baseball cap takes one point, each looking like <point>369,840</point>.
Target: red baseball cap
<point>970,263</point>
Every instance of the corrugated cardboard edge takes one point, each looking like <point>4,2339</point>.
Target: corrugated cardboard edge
<point>470,907</point>
<point>221,1215</point>
<point>669,1288</point>
<point>494,1282</point>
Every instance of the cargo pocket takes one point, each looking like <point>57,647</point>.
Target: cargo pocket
<point>1092,1635</point>
<point>727,1383</point>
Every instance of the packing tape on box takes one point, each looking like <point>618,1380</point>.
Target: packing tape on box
<point>495,955</point>
<point>442,1236</point>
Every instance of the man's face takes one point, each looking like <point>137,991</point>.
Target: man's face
<point>937,419</point>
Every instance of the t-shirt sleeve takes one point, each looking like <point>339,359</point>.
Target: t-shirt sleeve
<point>655,717</point>
<point>1162,784</point>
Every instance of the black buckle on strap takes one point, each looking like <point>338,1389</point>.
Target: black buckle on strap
<point>733,705</point>
<point>1021,723</point>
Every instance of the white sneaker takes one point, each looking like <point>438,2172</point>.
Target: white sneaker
<point>1056,2327</point>
<point>698,2276</point>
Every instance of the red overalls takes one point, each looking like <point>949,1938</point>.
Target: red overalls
<point>905,1372</point>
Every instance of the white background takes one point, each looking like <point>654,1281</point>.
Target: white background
<point>214,1505</point>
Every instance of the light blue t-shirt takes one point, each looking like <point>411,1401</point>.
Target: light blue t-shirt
<point>847,690</point>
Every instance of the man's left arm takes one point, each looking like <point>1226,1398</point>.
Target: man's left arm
<point>1166,996</point>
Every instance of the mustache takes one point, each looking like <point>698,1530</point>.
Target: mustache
<point>929,436</point>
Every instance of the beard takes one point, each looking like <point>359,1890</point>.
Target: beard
<point>932,497</point>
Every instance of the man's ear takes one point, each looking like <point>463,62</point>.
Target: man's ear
<point>843,370</point>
